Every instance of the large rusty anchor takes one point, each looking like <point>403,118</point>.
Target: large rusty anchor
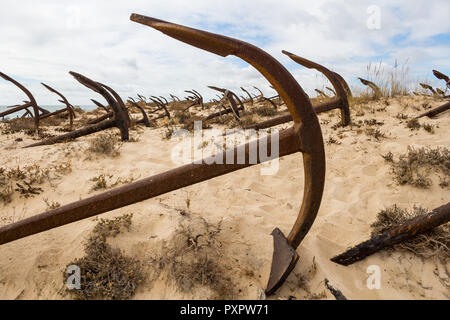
<point>120,120</point>
<point>67,109</point>
<point>304,136</point>
<point>32,103</point>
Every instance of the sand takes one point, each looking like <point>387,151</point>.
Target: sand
<point>245,205</point>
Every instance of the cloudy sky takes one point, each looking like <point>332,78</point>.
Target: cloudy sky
<point>41,41</point>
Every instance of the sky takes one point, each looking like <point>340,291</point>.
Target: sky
<point>41,41</point>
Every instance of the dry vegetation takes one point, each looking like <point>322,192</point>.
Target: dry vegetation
<point>415,166</point>
<point>106,273</point>
<point>194,258</point>
<point>435,243</point>
<point>22,179</point>
<point>105,143</point>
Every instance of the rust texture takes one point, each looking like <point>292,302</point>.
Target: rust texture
<point>321,93</point>
<point>31,103</point>
<point>161,105</point>
<point>397,234</point>
<point>442,76</point>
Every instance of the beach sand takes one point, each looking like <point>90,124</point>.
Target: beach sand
<point>244,206</point>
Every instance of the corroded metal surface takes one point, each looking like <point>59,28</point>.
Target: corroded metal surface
<point>428,87</point>
<point>249,95</point>
<point>144,118</point>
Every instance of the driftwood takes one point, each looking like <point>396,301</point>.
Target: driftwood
<point>394,235</point>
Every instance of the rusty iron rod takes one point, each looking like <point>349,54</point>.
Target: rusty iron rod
<point>433,112</point>
<point>407,230</point>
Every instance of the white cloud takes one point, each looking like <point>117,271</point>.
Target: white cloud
<point>42,41</point>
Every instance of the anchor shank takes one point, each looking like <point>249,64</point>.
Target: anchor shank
<point>146,188</point>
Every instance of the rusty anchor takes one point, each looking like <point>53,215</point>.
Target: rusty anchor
<point>442,76</point>
<point>161,105</point>
<point>250,98</point>
<point>304,136</point>
<point>68,108</point>
<point>144,119</point>
<point>32,103</point>
<point>321,94</point>
<point>376,90</point>
<point>109,114</point>
<point>428,87</point>
<point>232,98</point>
<point>196,98</point>
<point>120,120</point>
<point>339,102</point>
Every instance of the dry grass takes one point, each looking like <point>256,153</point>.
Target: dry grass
<point>24,177</point>
<point>105,143</point>
<point>105,272</point>
<point>193,258</point>
<point>435,243</point>
<point>415,166</point>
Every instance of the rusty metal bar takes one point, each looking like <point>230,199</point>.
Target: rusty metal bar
<point>433,112</point>
<point>344,84</point>
<point>407,230</point>
<point>442,76</point>
<point>249,95</point>
<point>428,87</point>
<point>321,93</point>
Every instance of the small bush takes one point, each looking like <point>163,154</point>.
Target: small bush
<point>266,111</point>
<point>413,124</point>
<point>105,272</point>
<point>414,167</point>
<point>105,143</point>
